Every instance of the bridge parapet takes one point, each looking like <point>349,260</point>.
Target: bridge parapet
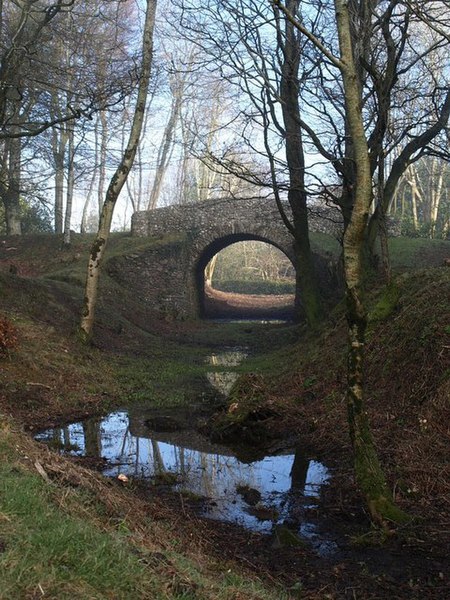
<point>202,216</point>
<point>251,214</point>
<point>169,274</point>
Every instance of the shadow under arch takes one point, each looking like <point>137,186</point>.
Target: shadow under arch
<point>216,246</point>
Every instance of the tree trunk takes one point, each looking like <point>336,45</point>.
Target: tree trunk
<point>12,196</point>
<point>368,470</point>
<point>59,141</point>
<point>87,203</point>
<point>118,180</point>
<point>307,291</point>
<point>70,186</point>
<point>383,234</point>
<point>436,191</point>
<point>209,270</point>
<point>84,218</point>
<point>405,158</point>
<point>165,150</point>
<point>102,165</point>
<point>12,218</point>
<point>415,195</point>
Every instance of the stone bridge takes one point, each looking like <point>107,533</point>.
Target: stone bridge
<point>169,273</point>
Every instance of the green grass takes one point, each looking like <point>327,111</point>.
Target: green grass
<point>62,542</point>
<point>386,303</point>
<point>241,286</point>
<point>64,556</point>
<point>417,253</point>
<point>405,253</point>
<point>159,382</point>
<point>324,243</point>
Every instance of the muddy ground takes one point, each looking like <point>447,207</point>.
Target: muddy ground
<point>220,305</point>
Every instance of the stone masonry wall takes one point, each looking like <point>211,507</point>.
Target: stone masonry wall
<point>253,213</point>
<point>169,275</point>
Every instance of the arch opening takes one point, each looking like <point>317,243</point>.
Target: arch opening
<point>245,277</point>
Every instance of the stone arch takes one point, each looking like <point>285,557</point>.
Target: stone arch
<point>167,275</point>
<point>219,242</point>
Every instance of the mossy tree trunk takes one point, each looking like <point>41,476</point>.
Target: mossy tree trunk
<point>369,474</point>
<point>118,180</point>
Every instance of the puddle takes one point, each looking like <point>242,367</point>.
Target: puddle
<point>223,380</point>
<point>259,495</point>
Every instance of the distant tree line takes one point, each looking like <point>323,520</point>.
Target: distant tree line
<point>252,267</point>
<point>231,84</point>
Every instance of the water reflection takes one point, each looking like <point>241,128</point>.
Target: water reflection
<point>223,380</point>
<point>259,495</point>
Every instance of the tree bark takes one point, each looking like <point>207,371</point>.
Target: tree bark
<point>368,470</point>
<point>102,165</point>
<point>59,141</point>
<point>308,297</point>
<point>165,150</point>
<point>70,186</point>
<point>118,180</point>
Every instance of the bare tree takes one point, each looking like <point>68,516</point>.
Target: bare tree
<point>119,178</point>
<point>405,100</point>
<point>61,61</point>
<point>368,470</point>
<point>260,52</point>
<point>424,193</point>
<point>178,84</point>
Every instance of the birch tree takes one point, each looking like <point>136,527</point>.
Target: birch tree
<point>424,205</point>
<point>60,62</point>
<point>22,24</point>
<point>119,178</point>
<point>167,143</point>
<point>369,474</point>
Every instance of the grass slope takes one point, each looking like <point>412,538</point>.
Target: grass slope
<point>67,533</point>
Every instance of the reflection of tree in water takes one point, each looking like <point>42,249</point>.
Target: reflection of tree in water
<point>158,462</point>
<point>283,481</point>
<point>92,438</point>
<point>299,471</point>
<point>66,437</point>
<point>56,438</point>
<point>59,438</point>
<point>223,380</point>
<point>292,509</point>
<point>214,476</point>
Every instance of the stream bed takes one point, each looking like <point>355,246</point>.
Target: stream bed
<point>260,493</point>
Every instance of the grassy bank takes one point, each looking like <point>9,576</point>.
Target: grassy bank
<point>68,533</point>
